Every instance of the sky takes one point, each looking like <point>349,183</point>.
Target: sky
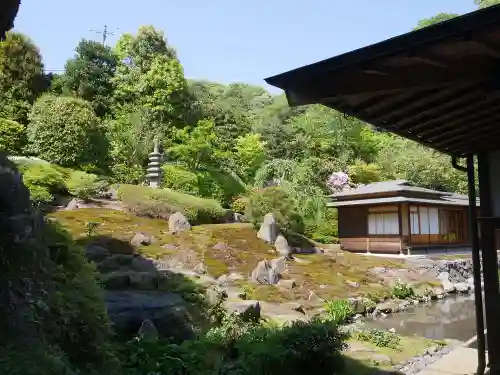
<point>230,40</point>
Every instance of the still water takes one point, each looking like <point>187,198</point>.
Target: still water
<point>451,318</point>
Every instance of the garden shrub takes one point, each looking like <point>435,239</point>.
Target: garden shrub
<point>42,180</point>
<point>12,137</point>
<point>178,178</point>
<point>160,203</point>
<point>326,230</point>
<point>339,311</point>
<point>274,200</point>
<point>380,338</point>
<point>127,174</point>
<point>238,347</point>
<point>39,194</point>
<point>239,204</point>
<point>296,349</point>
<point>84,185</point>
<point>208,183</point>
<point>65,131</point>
<point>76,320</point>
<point>43,175</point>
<point>402,291</point>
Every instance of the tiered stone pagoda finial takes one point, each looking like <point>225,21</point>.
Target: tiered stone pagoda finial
<point>154,166</point>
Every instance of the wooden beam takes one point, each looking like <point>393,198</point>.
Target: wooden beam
<point>472,137</point>
<point>316,89</point>
<point>468,125</point>
<point>487,46</point>
<point>448,106</point>
<point>428,59</point>
<point>465,113</point>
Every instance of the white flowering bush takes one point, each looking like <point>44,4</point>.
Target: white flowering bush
<point>337,181</point>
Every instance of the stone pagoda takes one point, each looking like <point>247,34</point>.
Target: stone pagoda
<point>154,174</point>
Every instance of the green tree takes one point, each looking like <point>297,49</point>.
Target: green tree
<point>440,17</point>
<point>249,155</point>
<point>65,131</point>
<point>163,90</point>
<point>196,146</point>
<point>22,78</point>
<point>407,160</point>
<point>485,3</point>
<point>131,138</point>
<point>151,76</point>
<point>89,74</point>
<point>12,137</point>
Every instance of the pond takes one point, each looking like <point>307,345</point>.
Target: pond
<point>451,318</point>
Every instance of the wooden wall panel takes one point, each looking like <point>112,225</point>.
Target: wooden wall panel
<point>353,222</point>
<point>387,245</point>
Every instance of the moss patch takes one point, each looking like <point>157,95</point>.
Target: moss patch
<point>411,346</point>
<point>226,248</point>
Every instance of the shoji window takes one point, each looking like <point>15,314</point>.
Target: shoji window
<point>380,223</point>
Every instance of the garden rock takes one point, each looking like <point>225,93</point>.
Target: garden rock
<point>128,309</point>
<point>178,223</point>
<point>352,284</point>
<point>95,252</point>
<point>267,272</point>
<point>313,298</point>
<point>233,276</point>
<point>386,307</point>
<point>220,246</point>
<point>357,305</point>
<point>148,331</point>
<point>287,284</point>
<point>140,239</point>
<point>248,310</point>
<point>281,246</point>
<point>131,279</point>
<point>462,287</point>
<point>268,231</point>
<point>72,205</point>
<point>215,295</point>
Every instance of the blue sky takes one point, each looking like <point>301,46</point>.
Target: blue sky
<point>230,40</point>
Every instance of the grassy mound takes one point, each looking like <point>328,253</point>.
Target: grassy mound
<point>226,248</point>
<point>160,203</point>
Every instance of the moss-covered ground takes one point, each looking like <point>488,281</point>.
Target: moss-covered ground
<point>226,248</point>
<point>363,358</point>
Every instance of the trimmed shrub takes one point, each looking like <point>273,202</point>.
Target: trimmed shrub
<point>12,137</point>
<point>42,180</point>
<point>239,204</point>
<point>65,131</point>
<point>178,178</point>
<point>161,203</point>
<point>219,185</point>
<point>84,185</point>
<point>276,200</point>
<point>43,175</point>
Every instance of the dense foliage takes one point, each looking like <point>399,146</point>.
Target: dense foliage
<point>12,137</point>
<point>65,131</point>
<point>239,347</point>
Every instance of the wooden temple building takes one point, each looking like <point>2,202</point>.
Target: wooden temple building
<point>394,217</point>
